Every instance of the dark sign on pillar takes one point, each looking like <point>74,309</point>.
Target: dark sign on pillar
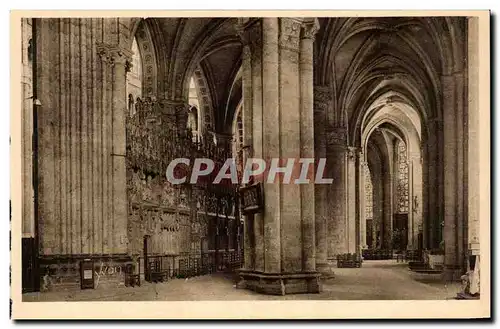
<point>251,199</point>
<point>87,274</point>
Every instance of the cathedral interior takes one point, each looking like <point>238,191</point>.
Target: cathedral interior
<point>391,103</point>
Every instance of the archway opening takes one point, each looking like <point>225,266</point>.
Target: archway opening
<point>193,123</point>
<point>134,78</point>
<point>393,177</point>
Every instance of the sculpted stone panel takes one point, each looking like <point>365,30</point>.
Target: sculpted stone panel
<point>290,33</point>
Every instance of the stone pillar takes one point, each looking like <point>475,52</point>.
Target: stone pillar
<point>120,64</point>
<point>249,238</point>
<point>271,139</point>
<point>410,226</point>
<point>415,198</point>
<point>452,87</point>
<point>281,102</point>
<point>388,204</point>
<point>322,102</point>
<point>450,188</point>
<point>352,200</point>
<point>362,201</point>
<point>337,192</point>
<point>434,204</point>
<point>307,192</point>
<point>475,155</point>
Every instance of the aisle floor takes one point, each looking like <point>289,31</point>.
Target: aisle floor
<point>375,280</point>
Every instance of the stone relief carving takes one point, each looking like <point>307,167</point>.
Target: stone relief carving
<point>322,98</point>
<point>113,54</point>
<point>290,33</point>
<point>158,208</point>
<point>336,136</point>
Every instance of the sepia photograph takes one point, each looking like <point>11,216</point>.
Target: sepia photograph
<point>203,157</point>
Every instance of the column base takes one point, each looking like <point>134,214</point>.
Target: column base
<point>326,270</point>
<point>280,283</point>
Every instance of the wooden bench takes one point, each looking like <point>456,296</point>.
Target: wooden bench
<point>158,276</point>
<point>348,261</point>
<point>156,272</point>
<point>424,268</point>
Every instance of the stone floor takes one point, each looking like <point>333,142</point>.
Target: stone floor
<point>376,280</point>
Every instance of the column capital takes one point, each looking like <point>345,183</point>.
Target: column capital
<point>114,54</point>
<point>323,93</point>
<point>322,96</point>
<point>336,136</point>
<point>290,29</point>
<point>353,152</point>
<point>309,28</point>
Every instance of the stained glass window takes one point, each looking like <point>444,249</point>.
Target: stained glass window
<point>368,194</point>
<point>402,190</point>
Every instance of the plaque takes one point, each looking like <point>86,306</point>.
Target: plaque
<point>251,199</point>
<point>87,274</point>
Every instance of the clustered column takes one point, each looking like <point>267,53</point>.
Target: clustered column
<point>453,138</point>
<point>278,95</point>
